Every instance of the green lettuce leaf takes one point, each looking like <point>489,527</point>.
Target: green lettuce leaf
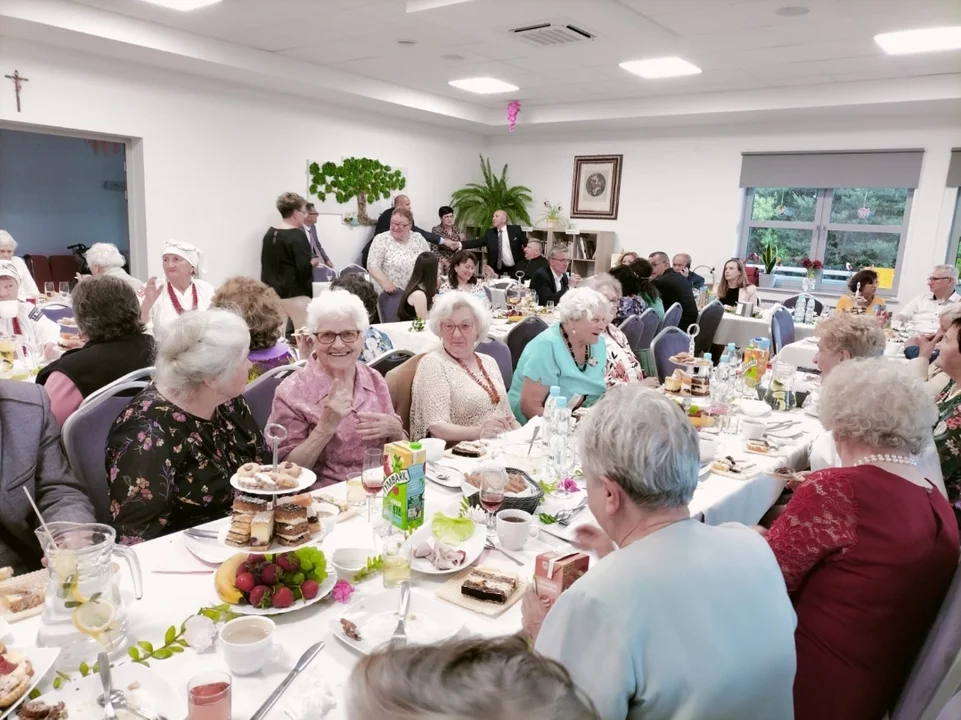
<point>451,530</point>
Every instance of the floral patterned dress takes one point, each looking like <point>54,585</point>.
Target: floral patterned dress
<point>622,366</point>
<point>168,470</point>
<point>947,439</point>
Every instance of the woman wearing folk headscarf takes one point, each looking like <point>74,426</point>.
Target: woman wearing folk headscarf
<point>181,291</point>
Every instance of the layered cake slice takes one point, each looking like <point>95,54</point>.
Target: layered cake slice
<point>261,529</point>
<point>242,513</point>
<point>290,524</point>
<point>489,585</point>
<point>307,501</point>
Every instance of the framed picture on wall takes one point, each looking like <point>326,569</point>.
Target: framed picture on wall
<point>597,186</point>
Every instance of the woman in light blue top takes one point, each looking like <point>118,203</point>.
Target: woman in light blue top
<point>571,355</point>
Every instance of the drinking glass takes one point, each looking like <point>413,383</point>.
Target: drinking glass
<point>549,305</point>
<point>48,289</point>
<point>208,696</point>
<point>493,485</point>
<point>491,437</point>
<point>65,289</point>
<point>397,557</point>
<point>372,476</point>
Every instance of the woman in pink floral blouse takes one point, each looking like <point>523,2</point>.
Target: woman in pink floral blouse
<point>336,407</point>
<point>172,451</point>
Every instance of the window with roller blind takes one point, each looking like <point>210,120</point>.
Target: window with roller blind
<point>834,207</point>
<point>954,180</point>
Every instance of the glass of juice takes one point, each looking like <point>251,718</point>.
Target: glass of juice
<point>208,696</point>
<point>356,496</point>
<point>397,556</point>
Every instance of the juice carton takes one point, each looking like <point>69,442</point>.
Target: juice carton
<point>554,572</point>
<point>404,464</point>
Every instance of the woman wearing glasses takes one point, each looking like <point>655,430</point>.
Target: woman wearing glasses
<point>461,321</point>
<point>336,406</point>
<point>393,253</point>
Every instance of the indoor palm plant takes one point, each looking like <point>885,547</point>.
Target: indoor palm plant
<point>476,203</point>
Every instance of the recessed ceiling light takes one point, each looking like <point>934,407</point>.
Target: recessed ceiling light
<point>483,85</point>
<point>661,67</point>
<point>452,57</point>
<point>792,11</point>
<point>919,41</point>
<point>421,5</point>
<point>183,5</point>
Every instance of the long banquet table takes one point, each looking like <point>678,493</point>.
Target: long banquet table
<point>177,584</point>
<point>404,338</point>
<point>741,330</point>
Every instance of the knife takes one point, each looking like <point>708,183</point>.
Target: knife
<point>301,665</point>
<point>103,666</point>
<point>555,534</point>
<point>399,638</point>
<point>199,533</point>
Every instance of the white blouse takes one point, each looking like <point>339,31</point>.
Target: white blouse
<point>163,313</point>
<point>439,377</point>
<point>396,260</point>
<point>39,332</point>
<point>28,286</point>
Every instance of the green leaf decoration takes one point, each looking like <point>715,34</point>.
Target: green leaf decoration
<point>162,654</point>
<point>362,179</point>
<point>84,669</point>
<point>170,635</point>
<point>547,519</point>
<point>34,694</point>
<point>475,203</point>
<point>57,682</point>
<point>134,653</point>
<point>146,646</point>
<point>72,604</point>
<point>175,649</point>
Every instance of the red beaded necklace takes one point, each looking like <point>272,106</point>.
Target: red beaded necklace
<point>176,303</point>
<point>489,387</point>
<point>17,330</point>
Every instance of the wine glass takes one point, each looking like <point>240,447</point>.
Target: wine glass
<point>372,476</point>
<point>65,289</point>
<point>491,437</point>
<point>493,485</point>
<point>48,289</point>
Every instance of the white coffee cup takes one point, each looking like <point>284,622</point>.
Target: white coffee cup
<point>513,528</point>
<point>248,644</point>
<point>753,429</point>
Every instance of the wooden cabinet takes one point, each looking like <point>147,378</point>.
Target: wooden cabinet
<point>590,250</point>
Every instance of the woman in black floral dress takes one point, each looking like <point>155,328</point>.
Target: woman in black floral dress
<point>172,451</point>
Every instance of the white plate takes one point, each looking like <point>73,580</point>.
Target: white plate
<point>42,660</point>
<point>325,587</point>
<point>306,479</point>
<point>754,408</point>
<point>472,546</point>
<point>811,340</point>
<point>80,696</point>
<point>4,629</point>
<point>429,621</point>
<point>453,480</point>
<point>274,547</point>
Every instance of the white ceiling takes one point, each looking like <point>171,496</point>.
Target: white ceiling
<point>744,47</point>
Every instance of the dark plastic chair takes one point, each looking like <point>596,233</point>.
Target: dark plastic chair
<point>390,360</point>
<point>650,323</point>
<point>57,312</point>
<point>387,307</point>
<point>633,329</point>
<point>782,329</point>
<point>63,268</point>
<point>669,342</point>
<point>708,321</point>
<point>671,317</point>
<point>502,355</point>
<point>323,273</point>
<point>39,267</point>
<point>260,393</point>
<point>791,302</point>
<point>353,269</point>
<point>521,334</point>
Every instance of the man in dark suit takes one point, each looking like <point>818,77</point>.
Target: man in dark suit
<point>504,243</point>
<point>319,255</point>
<point>674,288</point>
<point>550,283</point>
<point>533,260</point>
<point>383,225</point>
<point>682,265</point>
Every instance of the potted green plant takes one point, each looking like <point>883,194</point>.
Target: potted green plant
<point>769,257</point>
<point>553,217</point>
<point>362,178</point>
<point>475,203</point>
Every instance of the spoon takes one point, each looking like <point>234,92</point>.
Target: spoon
<point>119,701</point>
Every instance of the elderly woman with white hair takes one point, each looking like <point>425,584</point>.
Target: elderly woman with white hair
<point>8,246</point>
<point>665,653</point>
<point>867,549</point>
<point>336,406</point>
<point>457,391</point>
<point>106,259</point>
<point>173,450</point>
<point>21,320</point>
<point>571,354</point>
<point>181,291</point>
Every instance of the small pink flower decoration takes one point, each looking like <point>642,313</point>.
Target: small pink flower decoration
<point>513,109</point>
<point>569,485</point>
<point>342,591</point>
<point>864,213</point>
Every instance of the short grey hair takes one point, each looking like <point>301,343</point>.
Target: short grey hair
<point>687,259</point>
<point>644,442</point>
<point>559,248</point>
<point>105,255</point>
<point>537,242</point>
<point>604,280</point>
<point>858,334</point>
<point>950,270</point>
<point>337,305</point>
<point>7,239</point>
<point>849,405</point>
<point>198,346</point>
<point>580,304</point>
<point>447,304</point>
<point>952,312</point>
<point>107,308</point>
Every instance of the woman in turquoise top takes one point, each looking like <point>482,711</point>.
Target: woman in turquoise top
<point>571,355</point>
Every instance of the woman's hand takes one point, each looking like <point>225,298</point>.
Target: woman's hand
<point>927,343</point>
<point>533,611</point>
<point>50,351</point>
<point>339,402</point>
<point>389,287</point>
<point>588,537</point>
<point>372,425</point>
<point>305,344</point>
<point>151,291</point>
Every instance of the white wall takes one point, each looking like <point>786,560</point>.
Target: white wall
<point>214,156</point>
<point>52,193</point>
<point>679,188</point>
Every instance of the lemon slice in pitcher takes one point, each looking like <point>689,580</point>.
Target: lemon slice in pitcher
<point>94,618</point>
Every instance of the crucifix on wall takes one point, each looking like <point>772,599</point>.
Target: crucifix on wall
<point>18,81</point>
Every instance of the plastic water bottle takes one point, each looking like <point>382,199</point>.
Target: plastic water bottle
<point>560,430</point>
<point>799,309</point>
<point>549,404</point>
<point>809,311</point>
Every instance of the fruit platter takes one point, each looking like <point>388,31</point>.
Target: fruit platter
<point>271,584</point>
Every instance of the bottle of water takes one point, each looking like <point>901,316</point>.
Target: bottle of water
<point>809,311</point>
<point>559,455</point>
<point>549,404</point>
<point>799,308</point>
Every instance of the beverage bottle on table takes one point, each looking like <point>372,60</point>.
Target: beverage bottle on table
<point>549,404</point>
<point>809,309</point>
<point>560,428</point>
<point>799,309</point>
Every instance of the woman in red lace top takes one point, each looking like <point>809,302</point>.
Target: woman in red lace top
<point>867,549</point>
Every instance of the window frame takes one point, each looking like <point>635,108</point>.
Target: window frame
<point>820,227</point>
<point>955,237</point>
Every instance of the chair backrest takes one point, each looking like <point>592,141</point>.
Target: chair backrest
<point>56,312</point>
<point>352,269</point>
<point>782,329</point>
<point>39,267</point>
<point>633,329</point>
<point>487,292</point>
<point>85,443</point>
<point>667,343</point>
<point>63,268</point>
<point>650,322</point>
<point>260,393</point>
<point>791,302</point>
<point>140,378</point>
<point>672,316</point>
<point>521,334</point>
<point>937,669</point>
<point>387,307</point>
<point>389,360</point>
<point>708,321</point>
<point>322,273</point>
<point>502,355</point>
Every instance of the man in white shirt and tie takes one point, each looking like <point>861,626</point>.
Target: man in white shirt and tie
<point>318,256</point>
<point>505,246</point>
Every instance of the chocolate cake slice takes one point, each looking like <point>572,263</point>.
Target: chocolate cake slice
<point>489,585</point>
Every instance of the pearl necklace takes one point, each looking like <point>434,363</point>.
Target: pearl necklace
<point>884,457</point>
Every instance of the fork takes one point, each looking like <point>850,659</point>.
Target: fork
<point>399,638</point>
<point>564,517</point>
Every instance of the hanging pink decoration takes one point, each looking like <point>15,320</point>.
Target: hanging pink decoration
<point>513,109</point>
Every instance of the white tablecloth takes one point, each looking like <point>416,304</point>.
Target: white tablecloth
<point>802,352</point>
<point>404,338</point>
<point>741,330</point>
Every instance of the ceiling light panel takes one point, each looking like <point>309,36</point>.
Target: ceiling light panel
<point>483,85</point>
<point>182,5</point>
<point>665,67</point>
<point>934,39</point>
